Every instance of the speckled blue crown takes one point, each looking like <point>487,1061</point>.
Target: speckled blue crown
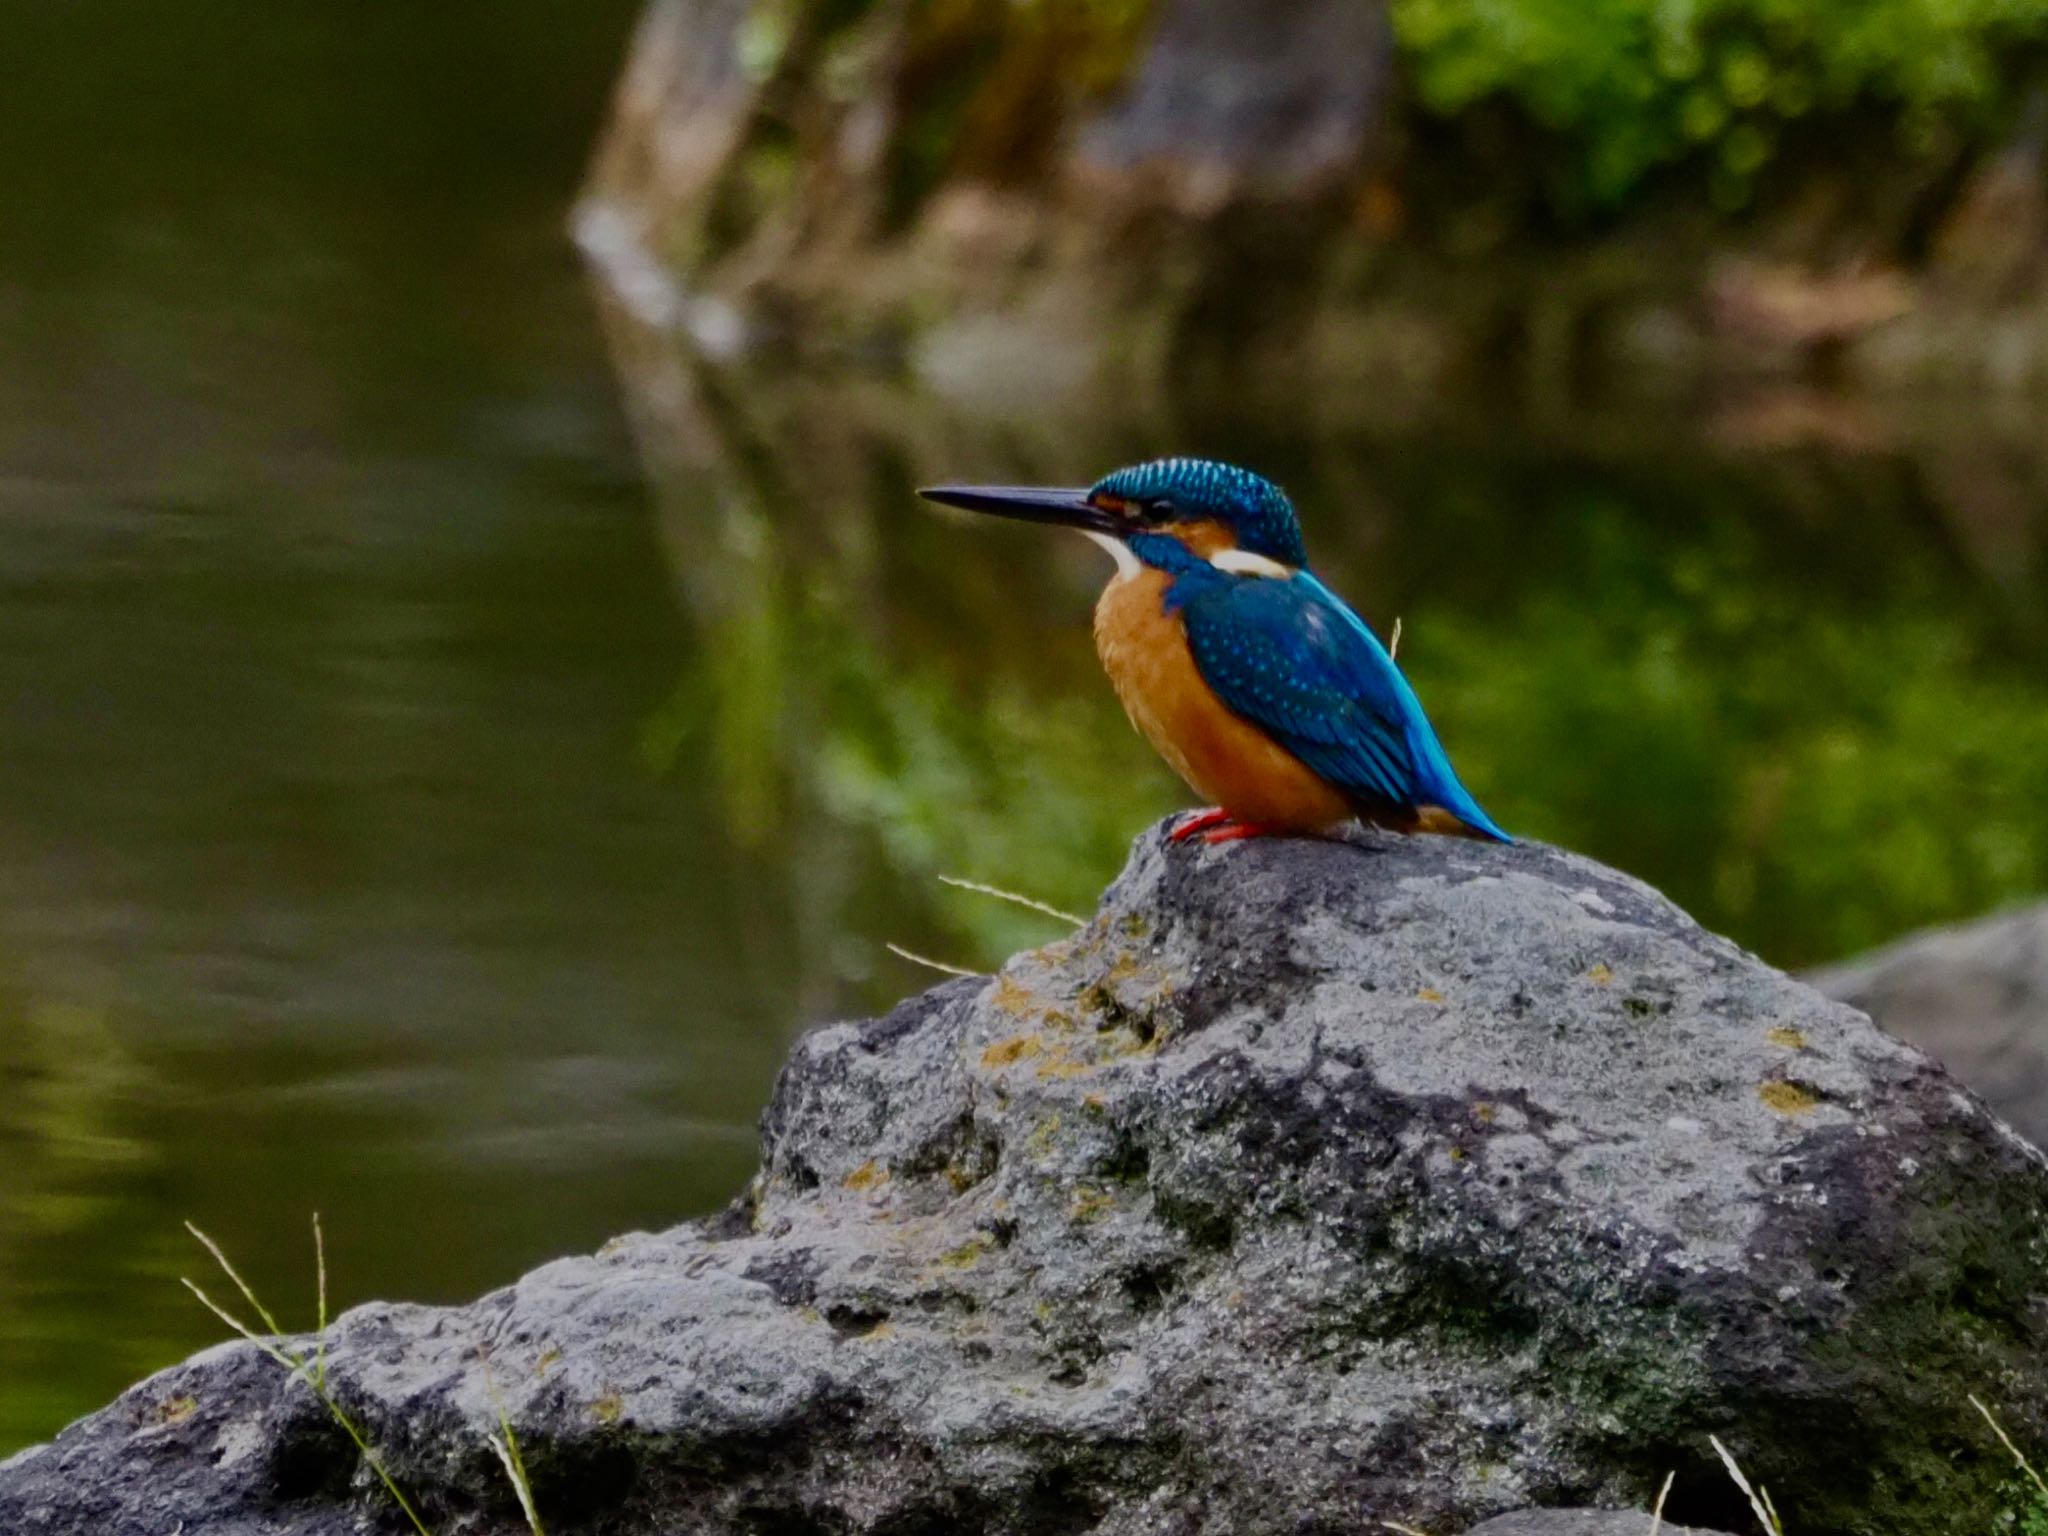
<point>1253,507</point>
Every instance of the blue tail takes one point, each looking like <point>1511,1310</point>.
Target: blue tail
<point>1441,786</point>
<point>1436,781</point>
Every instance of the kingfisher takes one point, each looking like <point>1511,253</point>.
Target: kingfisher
<point>1256,682</point>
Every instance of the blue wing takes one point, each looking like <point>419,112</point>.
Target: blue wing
<point>1287,654</point>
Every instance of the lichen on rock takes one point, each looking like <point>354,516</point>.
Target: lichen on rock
<point>1310,1185</point>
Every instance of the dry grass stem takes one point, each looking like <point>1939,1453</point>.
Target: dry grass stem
<point>320,1283</point>
<point>1759,1502</point>
<point>240,1284</point>
<point>1394,640</point>
<point>927,962</point>
<point>1657,1513</point>
<point>1013,898</point>
<point>506,1444</point>
<point>508,1458</point>
<point>2005,1440</point>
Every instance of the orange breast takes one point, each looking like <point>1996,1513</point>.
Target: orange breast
<point>1224,759</point>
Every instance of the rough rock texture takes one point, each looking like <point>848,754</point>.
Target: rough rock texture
<point>1976,996</point>
<point>1576,1522</point>
<point>1311,1185</point>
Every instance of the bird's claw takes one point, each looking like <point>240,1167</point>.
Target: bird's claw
<point>1216,825</point>
<point>1198,821</point>
<point>1233,831</point>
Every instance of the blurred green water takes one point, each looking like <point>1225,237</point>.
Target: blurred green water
<point>412,809</point>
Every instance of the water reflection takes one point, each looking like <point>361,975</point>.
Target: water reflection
<point>1800,688</point>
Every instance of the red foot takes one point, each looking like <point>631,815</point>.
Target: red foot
<point>1197,821</point>
<point>1242,829</point>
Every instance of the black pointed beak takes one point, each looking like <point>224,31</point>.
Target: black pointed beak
<point>1066,508</point>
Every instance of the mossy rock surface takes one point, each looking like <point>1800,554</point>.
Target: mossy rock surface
<point>1311,1185</point>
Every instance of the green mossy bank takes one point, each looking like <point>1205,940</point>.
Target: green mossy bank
<point>1409,194</point>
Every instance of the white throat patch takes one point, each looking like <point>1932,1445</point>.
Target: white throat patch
<point>1242,562</point>
<point>1127,564</point>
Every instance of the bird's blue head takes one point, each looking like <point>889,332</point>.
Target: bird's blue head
<point>1206,505</point>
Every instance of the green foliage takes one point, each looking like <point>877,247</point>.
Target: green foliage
<point>1789,767</point>
<point>1798,720</point>
<point>1627,86</point>
<point>999,787</point>
<point>806,714</point>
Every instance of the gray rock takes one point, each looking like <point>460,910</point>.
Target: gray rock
<point>1577,1522</point>
<point>1976,996</point>
<point>1311,1185</point>
<point>1283,95</point>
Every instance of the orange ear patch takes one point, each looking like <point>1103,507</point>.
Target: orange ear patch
<point>1206,538</point>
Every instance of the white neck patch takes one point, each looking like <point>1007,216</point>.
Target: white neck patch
<point>1127,564</point>
<point>1242,562</point>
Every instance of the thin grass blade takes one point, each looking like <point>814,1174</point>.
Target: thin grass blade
<point>320,1275</point>
<point>927,962</point>
<point>516,1475</point>
<point>1014,898</point>
<point>2005,1440</point>
<point>240,1284</point>
<point>508,1448</point>
<point>240,1327</point>
<point>1657,1513</point>
<point>1763,1513</point>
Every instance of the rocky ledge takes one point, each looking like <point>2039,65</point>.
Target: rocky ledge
<point>1310,1186</point>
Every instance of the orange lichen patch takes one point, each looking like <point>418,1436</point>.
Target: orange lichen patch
<point>1786,1098</point>
<point>1007,1053</point>
<point>175,1410</point>
<point>1788,1037</point>
<point>1483,1113</point>
<point>877,1333</point>
<point>1062,1067</point>
<point>1039,1142</point>
<point>1601,975</point>
<point>1055,1018</point>
<point>1094,1101</point>
<point>1089,1204</point>
<point>1430,995</point>
<point>608,1409</point>
<point>1125,1042</point>
<point>968,1254</point>
<point>868,1175</point>
<point>1013,997</point>
<point>1123,968</point>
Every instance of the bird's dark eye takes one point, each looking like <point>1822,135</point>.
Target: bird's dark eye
<point>1156,511</point>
